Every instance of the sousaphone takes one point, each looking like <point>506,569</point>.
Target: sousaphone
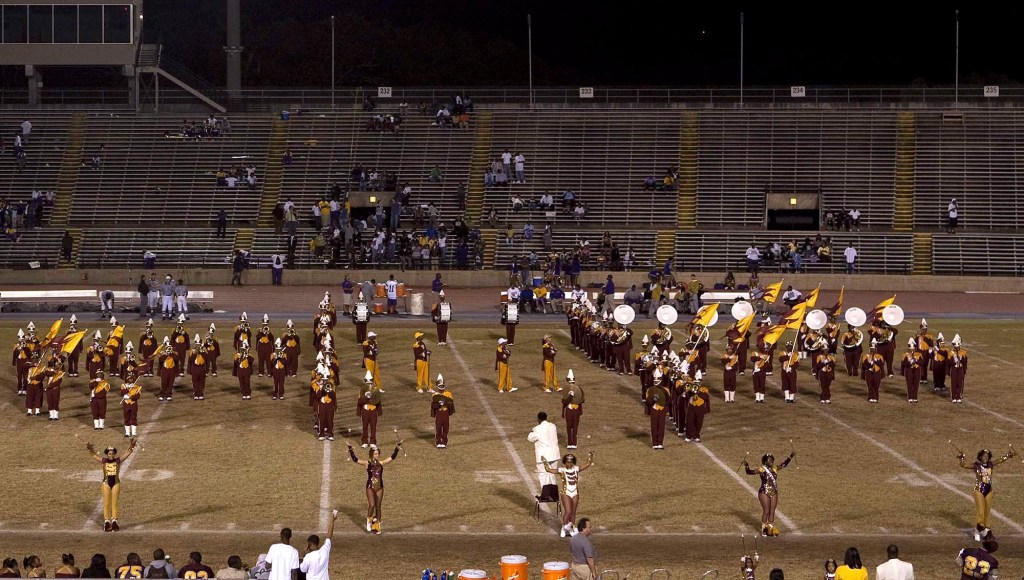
<point>892,315</point>
<point>667,315</point>
<point>816,319</point>
<point>624,314</point>
<point>741,310</point>
<point>856,316</point>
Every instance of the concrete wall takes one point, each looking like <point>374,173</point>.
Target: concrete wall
<point>465,279</point>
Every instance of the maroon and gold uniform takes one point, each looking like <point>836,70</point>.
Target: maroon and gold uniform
<point>22,362</point>
<point>54,379</point>
<point>442,407</point>
<point>789,362</point>
<point>730,368</point>
<point>885,337</point>
<point>242,370</point>
<point>957,372</point>
<point>147,347</point>
<point>698,405</point>
<point>264,348</point>
<point>94,358</point>
<point>825,366</point>
<point>326,407</point>
<point>572,410</point>
<point>279,365</point>
<point>181,343</point>
<point>243,333</point>
<point>442,325</point>
<point>369,407</point>
<point>34,389</point>
<point>547,365</point>
<point>211,347</point>
<point>75,354</point>
<point>130,395</point>
<point>421,361</point>
<point>872,366</point>
<point>112,349</point>
<point>911,367</point>
<point>98,389</point>
<point>292,348</point>
<point>169,367</point>
<point>197,368</point>
<point>852,349</point>
<point>761,360</point>
<point>657,402</point>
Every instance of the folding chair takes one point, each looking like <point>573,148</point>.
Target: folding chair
<point>548,494</point>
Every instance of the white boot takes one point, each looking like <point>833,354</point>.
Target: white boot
<point>95,423</point>
<point>102,423</point>
<point>127,431</point>
<point>135,430</point>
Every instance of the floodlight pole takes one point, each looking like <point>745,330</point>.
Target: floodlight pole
<point>741,58</point>
<point>956,81</point>
<point>332,61</point>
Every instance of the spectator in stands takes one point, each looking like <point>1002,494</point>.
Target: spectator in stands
<point>546,202</point>
<point>317,245</point>
<point>953,211</point>
<point>850,253</point>
<point>580,211</point>
<point>230,180</point>
<point>517,203</point>
<point>568,200</point>
<point>10,569</point>
<point>132,567</point>
<point>753,258</point>
<point>460,196</point>
<point>148,260</point>
<point>510,234</point>
<point>506,161</point>
<point>633,297</point>
<point>796,255</point>
<point>234,571</point>
<point>489,179</point>
<point>520,161</point>
<point>26,130</point>
<point>435,174</point>
<point>97,567</point>
<point>730,281</point>
<point>65,246</point>
<point>528,230</point>
<point>548,236</point>
<point>222,224</point>
<point>855,218</point>
<point>791,297</point>
<point>286,159</point>
<point>501,179</point>
<point>492,218</point>
<point>650,184</point>
<point>160,567</point>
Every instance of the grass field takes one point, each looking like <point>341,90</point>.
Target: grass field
<point>223,475</point>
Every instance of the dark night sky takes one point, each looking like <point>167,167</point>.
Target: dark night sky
<point>480,42</point>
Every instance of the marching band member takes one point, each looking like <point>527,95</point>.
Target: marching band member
<point>180,341</point>
<point>510,325</point>
<point>374,483</point>
<point>815,343</point>
<point>148,344</point>
<point>569,473</point>
<point>32,340</point>
<point>698,341</point>
<point>279,365</point>
<point>768,493</point>
<point>661,338</point>
<point>98,389</point>
<point>884,337</point>
<point>790,361</point>
<point>360,318</point>
<point>76,353</point>
<point>330,310</point>
<point>622,347</point>
<point>130,395</point>
<point>501,357</point>
<point>421,360</point>
<point>911,368</point>
<point>292,348</point>
<point>572,410</point>
<point>369,407</point>
<point>242,369</point>
<point>697,404</point>
<point>54,378</point>
<point>370,352</point>
<point>112,349</point>
<point>323,337</point>
<point>741,346</point>
<point>34,388</point>
<point>243,332</point>
<point>983,468</point>
<point>327,405</point>
<point>130,367</point>
<point>852,349</point>
<point>730,363</point>
<point>22,361</point>
<point>442,407</point>
<point>547,365</point>
<point>831,333</point>
<point>264,346</point>
<point>657,402</point>
<point>169,363</point>
<point>110,489</point>
<point>940,364</point>
<point>925,345</point>
<point>94,357</point>
<point>872,365</point>
<point>957,371</point>
<point>441,322</point>
<point>761,359</point>
<point>197,367</point>
<point>212,347</point>
<point>574,314</point>
<point>826,373</point>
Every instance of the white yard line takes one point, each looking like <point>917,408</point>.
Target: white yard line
<point>721,464</point>
<point>325,488</point>
<point>90,523</point>
<point>7,532</point>
<point>531,484</point>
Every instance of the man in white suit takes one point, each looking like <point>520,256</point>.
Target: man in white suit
<point>545,444</point>
<point>894,569</point>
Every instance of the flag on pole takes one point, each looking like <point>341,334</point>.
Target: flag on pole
<point>837,308</point>
<point>742,327</point>
<point>877,312</point>
<point>706,314</point>
<point>771,292</point>
<point>70,342</point>
<point>812,297</point>
<point>774,333</point>
<point>54,330</point>
<point>794,317</point>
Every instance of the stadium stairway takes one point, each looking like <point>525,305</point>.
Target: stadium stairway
<point>664,246</point>
<point>478,166</point>
<point>70,166</point>
<point>923,248</point>
<point>276,146</point>
<point>689,138</point>
<point>76,242</point>
<point>490,240</point>
<point>903,213</point>
<point>244,238</point>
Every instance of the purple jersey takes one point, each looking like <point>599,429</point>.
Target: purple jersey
<point>977,564</point>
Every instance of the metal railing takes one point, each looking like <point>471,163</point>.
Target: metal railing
<point>271,98</point>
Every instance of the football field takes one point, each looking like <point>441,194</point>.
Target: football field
<point>223,475</point>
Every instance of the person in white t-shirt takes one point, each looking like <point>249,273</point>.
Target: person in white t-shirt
<point>391,287</point>
<point>282,558</point>
<point>753,257</point>
<point>855,218</point>
<point>954,213</point>
<point>851,257</point>
<point>317,559</point>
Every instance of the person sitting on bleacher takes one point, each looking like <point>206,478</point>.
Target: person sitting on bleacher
<point>517,203</point>
<point>730,281</point>
<point>633,297</point>
<point>500,179</point>
<point>580,211</point>
<point>650,184</point>
<point>568,201</point>
<point>546,202</point>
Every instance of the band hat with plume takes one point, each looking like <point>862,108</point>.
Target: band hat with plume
<point>940,338</point>
<point>21,334</point>
<point>368,377</point>
<point>924,323</point>
<point>181,319</point>
<point>149,322</point>
<point>441,293</point>
<point>320,356</point>
<point>213,328</point>
<point>645,340</point>
<point>197,339</point>
<point>290,324</point>
<point>99,335</point>
<point>113,321</point>
<point>277,343</point>
<point>911,343</point>
<point>266,318</point>
<point>874,342</point>
<point>371,334</point>
<point>167,340</point>
<point>244,317</point>
<point>571,377</point>
<point>129,347</point>
<point>31,326</point>
<point>502,341</point>
<point>956,340</point>
<point>440,379</point>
